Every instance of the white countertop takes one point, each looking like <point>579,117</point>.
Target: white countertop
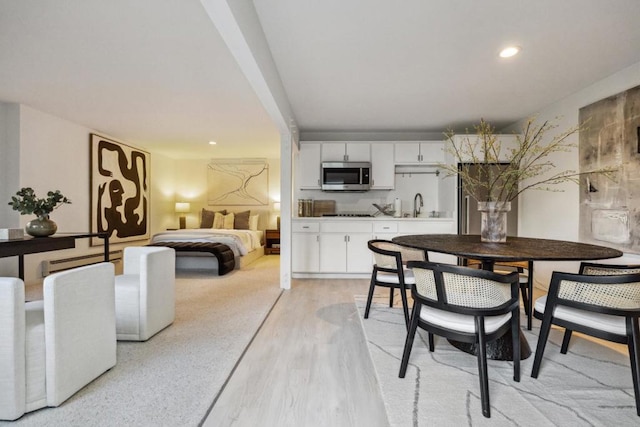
<point>367,218</point>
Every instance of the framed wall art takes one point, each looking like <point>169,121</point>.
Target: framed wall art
<point>238,182</point>
<point>119,191</point>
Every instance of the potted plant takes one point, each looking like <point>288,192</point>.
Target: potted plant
<point>26,202</point>
<point>525,165</point>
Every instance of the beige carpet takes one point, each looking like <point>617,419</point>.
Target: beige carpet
<point>589,386</point>
<point>172,379</point>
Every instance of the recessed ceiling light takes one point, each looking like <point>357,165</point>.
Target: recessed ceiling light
<point>212,143</point>
<point>510,51</point>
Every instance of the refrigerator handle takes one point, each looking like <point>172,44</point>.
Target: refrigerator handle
<point>466,214</point>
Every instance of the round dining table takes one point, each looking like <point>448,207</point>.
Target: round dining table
<point>469,246</point>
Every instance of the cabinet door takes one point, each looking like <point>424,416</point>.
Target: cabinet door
<point>309,166</point>
<point>358,253</point>
<point>334,152</point>
<point>407,152</point>
<point>382,166</point>
<point>432,152</point>
<point>305,253</point>
<point>358,152</point>
<point>333,253</point>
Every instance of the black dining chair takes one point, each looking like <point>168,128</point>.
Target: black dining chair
<point>525,272</point>
<point>389,271</point>
<point>601,301</point>
<point>467,305</point>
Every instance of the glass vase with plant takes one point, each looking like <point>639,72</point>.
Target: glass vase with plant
<point>524,164</point>
<point>26,202</point>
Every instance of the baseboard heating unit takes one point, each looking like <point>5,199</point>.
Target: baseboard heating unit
<point>55,265</point>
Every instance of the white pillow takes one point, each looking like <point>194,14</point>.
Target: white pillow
<point>253,222</point>
<point>218,220</point>
<point>228,221</point>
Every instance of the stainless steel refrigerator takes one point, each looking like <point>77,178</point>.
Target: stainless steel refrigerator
<point>469,216</point>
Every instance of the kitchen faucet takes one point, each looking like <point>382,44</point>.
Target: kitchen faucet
<point>416,208</point>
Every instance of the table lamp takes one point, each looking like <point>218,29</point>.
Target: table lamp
<point>183,208</point>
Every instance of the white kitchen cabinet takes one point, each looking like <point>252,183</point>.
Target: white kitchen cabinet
<point>385,230</point>
<point>346,152</point>
<point>308,168</point>
<point>345,253</point>
<point>305,247</point>
<point>343,247</point>
<point>382,166</point>
<point>419,152</point>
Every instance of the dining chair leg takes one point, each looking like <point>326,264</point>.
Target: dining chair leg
<point>372,286</point>
<point>482,368</point>
<point>391,292</point>
<point>542,342</point>
<point>634,358</point>
<point>515,338</point>
<point>530,297</point>
<point>432,345</point>
<point>408,343</point>
<point>405,305</point>
<point>565,341</point>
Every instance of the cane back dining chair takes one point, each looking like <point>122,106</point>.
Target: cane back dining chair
<point>389,271</point>
<point>467,305</point>
<point>602,301</point>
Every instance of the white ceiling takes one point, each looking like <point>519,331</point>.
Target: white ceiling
<point>157,73</point>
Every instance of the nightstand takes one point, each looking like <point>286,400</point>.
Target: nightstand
<point>272,242</point>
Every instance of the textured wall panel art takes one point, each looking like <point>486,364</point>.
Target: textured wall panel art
<point>119,191</point>
<point>238,182</point>
<point>610,209</point>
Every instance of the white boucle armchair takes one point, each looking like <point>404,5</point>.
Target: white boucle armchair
<point>145,292</point>
<point>51,348</point>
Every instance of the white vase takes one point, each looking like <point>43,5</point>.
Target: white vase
<point>493,225</point>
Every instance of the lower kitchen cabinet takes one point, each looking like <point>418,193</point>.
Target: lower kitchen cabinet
<point>305,246</point>
<point>345,253</point>
<point>323,248</point>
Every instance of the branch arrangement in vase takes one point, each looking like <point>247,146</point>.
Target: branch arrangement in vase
<point>526,165</point>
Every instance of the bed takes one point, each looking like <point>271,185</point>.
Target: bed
<point>247,245</point>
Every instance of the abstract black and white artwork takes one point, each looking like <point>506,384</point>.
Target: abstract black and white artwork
<point>119,190</point>
<point>238,182</point>
<point>610,208</point>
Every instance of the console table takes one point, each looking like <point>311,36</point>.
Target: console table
<point>31,245</point>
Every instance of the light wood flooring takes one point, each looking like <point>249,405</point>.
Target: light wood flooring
<point>308,365</point>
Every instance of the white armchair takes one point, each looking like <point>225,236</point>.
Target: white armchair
<point>145,292</point>
<point>52,348</point>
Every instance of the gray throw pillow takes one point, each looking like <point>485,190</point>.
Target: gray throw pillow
<point>241,220</point>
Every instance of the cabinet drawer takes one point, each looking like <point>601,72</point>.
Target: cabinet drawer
<point>346,227</point>
<point>385,227</point>
<point>305,227</point>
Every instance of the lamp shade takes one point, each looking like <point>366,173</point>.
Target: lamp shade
<point>183,207</point>
<point>276,206</point>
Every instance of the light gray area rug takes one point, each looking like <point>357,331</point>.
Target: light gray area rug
<point>589,386</point>
<point>172,379</point>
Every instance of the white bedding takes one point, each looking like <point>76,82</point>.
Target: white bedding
<point>241,242</point>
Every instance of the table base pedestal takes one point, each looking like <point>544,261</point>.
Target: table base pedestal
<point>500,349</point>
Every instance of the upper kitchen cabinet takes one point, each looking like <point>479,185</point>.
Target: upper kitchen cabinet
<point>308,167</point>
<point>346,152</point>
<point>419,152</point>
<point>382,166</point>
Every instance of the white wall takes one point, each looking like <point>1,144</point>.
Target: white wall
<point>53,154</point>
<point>191,186</point>
<point>555,215</point>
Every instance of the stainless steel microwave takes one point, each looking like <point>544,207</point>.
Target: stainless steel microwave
<point>346,176</point>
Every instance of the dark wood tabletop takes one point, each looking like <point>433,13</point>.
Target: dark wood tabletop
<point>514,249</point>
